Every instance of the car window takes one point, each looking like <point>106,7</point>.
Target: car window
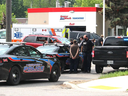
<point>64,40</point>
<point>20,51</point>
<point>41,39</point>
<point>63,50</point>
<point>50,40</point>
<point>73,35</point>
<point>112,41</point>
<point>33,52</point>
<point>96,36</point>
<point>29,39</point>
<point>91,36</point>
<point>82,34</point>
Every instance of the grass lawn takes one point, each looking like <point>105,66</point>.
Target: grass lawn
<point>114,74</point>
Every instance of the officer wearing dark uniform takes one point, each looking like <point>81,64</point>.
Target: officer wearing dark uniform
<point>86,48</point>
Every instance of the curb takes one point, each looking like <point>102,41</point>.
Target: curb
<point>72,85</point>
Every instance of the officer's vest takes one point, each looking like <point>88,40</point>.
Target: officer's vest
<point>65,33</point>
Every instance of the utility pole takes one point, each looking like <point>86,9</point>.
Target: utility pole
<point>8,20</point>
<point>104,18</point>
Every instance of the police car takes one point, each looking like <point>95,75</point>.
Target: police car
<point>60,51</point>
<point>20,62</point>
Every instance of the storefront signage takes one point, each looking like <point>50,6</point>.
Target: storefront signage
<point>64,17</point>
<point>71,23</point>
<point>72,17</point>
<point>78,18</point>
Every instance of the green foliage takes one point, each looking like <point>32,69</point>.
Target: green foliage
<point>88,3</point>
<point>117,12</point>
<point>115,74</point>
<point>2,12</point>
<point>3,15</point>
<point>2,1</point>
<point>26,12</point>
<point>18,9</point>
<point>39,3</point>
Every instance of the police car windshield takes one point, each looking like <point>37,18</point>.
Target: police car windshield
<point>64,40</point>
<point>46,49</point>
<point>3,49</point>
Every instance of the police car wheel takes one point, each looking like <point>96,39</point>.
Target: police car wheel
<point>54,76</point>
<point>14,76</point>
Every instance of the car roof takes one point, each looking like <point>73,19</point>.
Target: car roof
<point>42,35</point>
<point>55,44</point>
<point>80,31</point>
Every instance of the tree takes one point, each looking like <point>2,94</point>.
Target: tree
<point>87,3</point>
<point>18,8</point>
<point>39,3</point>
<point>3,16</point>
<point>117,12</point>
<point>2,1</point>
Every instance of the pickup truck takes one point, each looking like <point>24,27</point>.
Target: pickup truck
<point>114,53</point>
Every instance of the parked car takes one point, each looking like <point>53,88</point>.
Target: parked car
<point>77,34</point>
<point>20,62</point>
<point>60,51</point>
<point>38,40</point>
<point>114,53</point>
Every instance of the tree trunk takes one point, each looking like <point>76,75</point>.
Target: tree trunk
<point>115,30</point>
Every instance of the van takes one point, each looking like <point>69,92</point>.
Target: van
<point>77,34</point>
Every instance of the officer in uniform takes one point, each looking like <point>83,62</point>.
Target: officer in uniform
<point>86,47</point>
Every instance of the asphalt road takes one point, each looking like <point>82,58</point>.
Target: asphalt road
<point>42,87</point>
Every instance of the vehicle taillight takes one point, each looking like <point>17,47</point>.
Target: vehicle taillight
<point>93,53</point>
<point>1,61</point>
<point>126,54</point>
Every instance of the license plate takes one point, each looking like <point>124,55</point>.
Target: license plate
<point>109,61</point>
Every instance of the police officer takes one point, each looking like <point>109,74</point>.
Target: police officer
<point>86,47</point>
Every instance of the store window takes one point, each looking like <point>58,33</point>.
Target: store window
<point>109,32</point>
<point>121,32</point>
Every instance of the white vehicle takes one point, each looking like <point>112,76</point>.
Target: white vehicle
<point>2,35</point>
<point>19,31</point>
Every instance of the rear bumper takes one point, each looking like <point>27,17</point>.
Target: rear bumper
<point>3,73</point>
<point>119,63</point>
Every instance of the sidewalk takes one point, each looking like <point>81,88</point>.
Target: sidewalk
<point>109,84</point>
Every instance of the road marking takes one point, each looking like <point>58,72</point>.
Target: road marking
<point>104,87</point>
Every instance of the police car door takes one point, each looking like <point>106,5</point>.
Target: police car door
<point>21,57</point>
<point>39,67</point>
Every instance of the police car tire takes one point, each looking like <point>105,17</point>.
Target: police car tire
<point>11,80</point>
<point>54,77</point>
<point>98,69</point>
